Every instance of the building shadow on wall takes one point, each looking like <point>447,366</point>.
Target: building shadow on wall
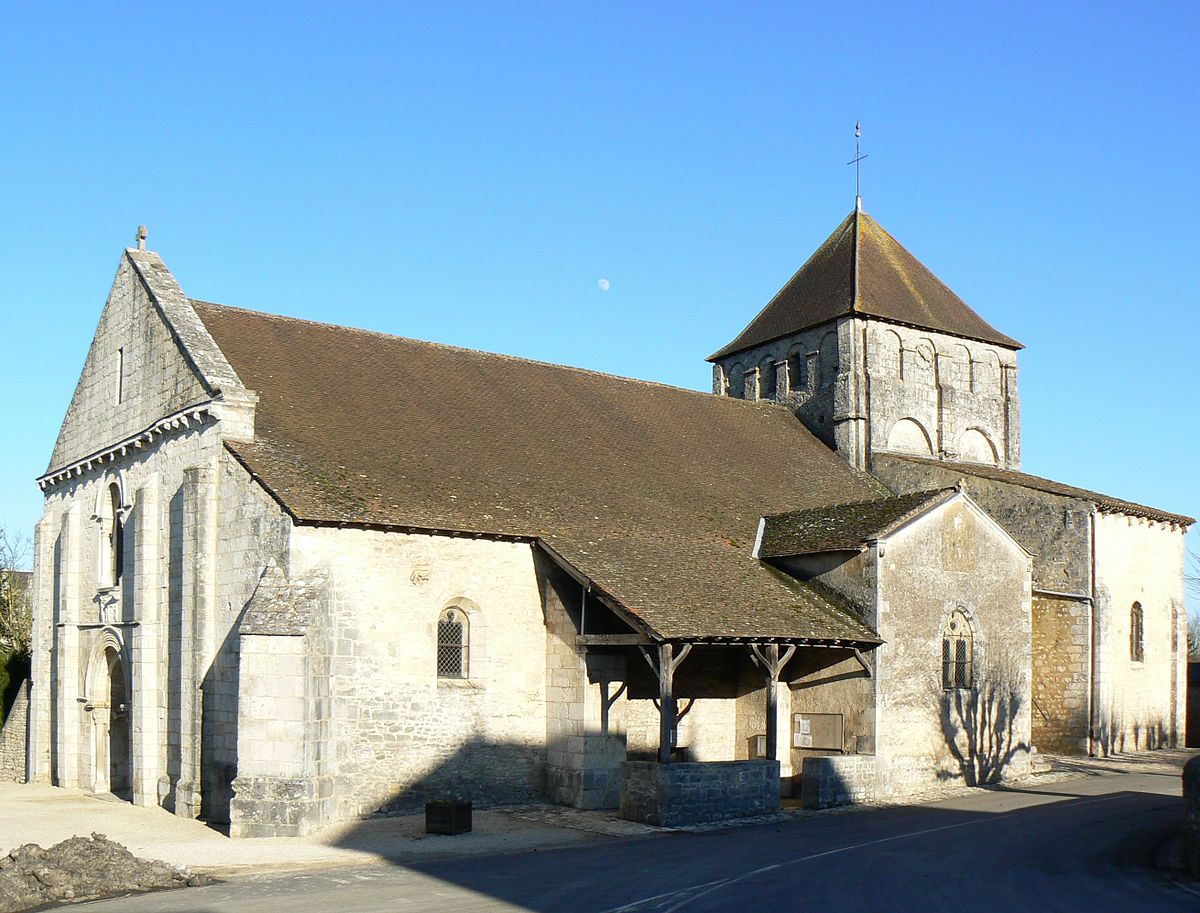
<point>485,772</point>
<point>979,727</point>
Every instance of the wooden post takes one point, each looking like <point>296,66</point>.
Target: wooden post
<point>668,662</point>
<point>768,657</point>
<point>666,703</point>
<point>772,703</point>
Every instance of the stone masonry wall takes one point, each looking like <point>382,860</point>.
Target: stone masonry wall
<point>400,734</point>
<point>1061,666</point>
<point>960,391</point>
<point>852,382</point>
<point>192,556</point>
<point>800,371</point>
<point>1052,528</point>
<point>954,559</point>
<point>13,739</point>
<point>841,780</point>
<point>1140,704</point>
<point>678,795</point>
<point>157,381</point>
<point>173,618</point>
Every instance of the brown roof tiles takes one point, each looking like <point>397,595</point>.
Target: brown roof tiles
<point>652,492</point>
<point>841,527</point>
<point>892,284</point>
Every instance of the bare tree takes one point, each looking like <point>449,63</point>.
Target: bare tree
<point>1192,580</point>
<point>16,608</point>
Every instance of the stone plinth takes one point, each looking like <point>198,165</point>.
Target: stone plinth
<point>676,795</point>
<point>839,780</point>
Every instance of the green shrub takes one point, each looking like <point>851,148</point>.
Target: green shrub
<point>14,669</point>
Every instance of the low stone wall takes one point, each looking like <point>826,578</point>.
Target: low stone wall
<point>839,780</point>
<point>699,792</point>
<point>13,739</point>
<point>1191,806</point>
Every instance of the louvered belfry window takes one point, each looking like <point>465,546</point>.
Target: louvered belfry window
<point>453,644</point>
<point>957,653</point>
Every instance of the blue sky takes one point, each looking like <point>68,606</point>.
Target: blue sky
<point>467,173</point>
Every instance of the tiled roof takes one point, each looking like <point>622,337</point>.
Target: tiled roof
<point>1103,502</point>
<point>892,284</point>
<point>841,527</point>
<point>652,492</point>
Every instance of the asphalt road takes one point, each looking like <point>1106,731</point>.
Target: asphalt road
<point>1084,844</point>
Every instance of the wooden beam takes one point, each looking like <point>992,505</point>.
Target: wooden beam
<point>612,640</point>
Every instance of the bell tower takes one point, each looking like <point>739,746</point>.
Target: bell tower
<point>875,354</point>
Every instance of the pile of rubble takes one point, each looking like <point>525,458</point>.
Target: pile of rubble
<point>81,868</point>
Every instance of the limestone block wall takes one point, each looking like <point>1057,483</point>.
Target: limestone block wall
<point>962,394</point>
<point>13,741</point>
<point>866,385</point>
<point>678,795</point>
<point>1139,703</point>
<point>133,375</point>
<point>399,734</point>
<point>842,780</point>
<point>1061,674</point>
<point>1054,529</point>
<point>188,569</point>
<point>801,371</point>
<point>954,559</point>
<point>841,688</point>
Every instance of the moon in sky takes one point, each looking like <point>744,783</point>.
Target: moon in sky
<point>604,285</point>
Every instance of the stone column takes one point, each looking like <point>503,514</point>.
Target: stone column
<point>198,591</point>
<point>146,668</point>
<point>66,674</point>
<point>37,762</point>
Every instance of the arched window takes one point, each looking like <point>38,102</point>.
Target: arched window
<point>453,643</point>
<point>796,381</point>
<point>766,380</point>
<point>957,652</point>
<point>735,381</point>
<point>1137,638</point>
<point>112,537</point>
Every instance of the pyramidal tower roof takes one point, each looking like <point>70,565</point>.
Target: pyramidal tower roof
<point>861,269</point>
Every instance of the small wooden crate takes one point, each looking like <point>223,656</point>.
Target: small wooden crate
<point>447,816</point>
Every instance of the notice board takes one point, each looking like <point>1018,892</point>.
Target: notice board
<point>817,730</point>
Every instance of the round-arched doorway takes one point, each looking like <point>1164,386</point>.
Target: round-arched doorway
<point>111,737</point>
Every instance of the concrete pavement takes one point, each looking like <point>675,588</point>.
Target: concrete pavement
<point>46,815</point>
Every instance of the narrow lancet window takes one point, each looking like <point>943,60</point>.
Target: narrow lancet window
<point>112,538</point>
<point>1137,639</point>
<point>453,644</point>
<point>957,652</point>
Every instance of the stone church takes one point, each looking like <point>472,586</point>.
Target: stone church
<point>292,573</point>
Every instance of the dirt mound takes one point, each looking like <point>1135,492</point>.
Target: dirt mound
<point>81,868</point>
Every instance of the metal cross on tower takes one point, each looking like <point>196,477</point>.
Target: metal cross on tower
<point>858,157</point>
